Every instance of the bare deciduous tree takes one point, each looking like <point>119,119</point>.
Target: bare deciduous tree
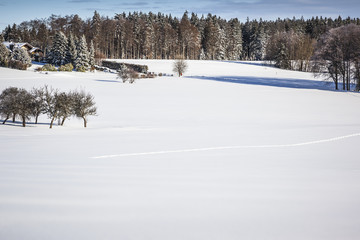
<point>52,105</point>
<point>38,102</point>
<point>128,74</point>
<point>15,101</point>
<point>24,105</point>
<point>180,66</point>
<point>8,103</point>
<point>84,105</point>
<point>65,103</point>
<point>124,74</point>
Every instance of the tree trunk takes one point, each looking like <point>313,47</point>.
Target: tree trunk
<point>336,85</point>
<point>344,76</point>
<point>62,122</point>
<point>349,75</point>
<point>7,117</point>
<point>23,121</point>
<point>84,122</point>
<point>336,79</point>
<point>36,119</point>
<point>14,116</point>
<point>52,121</point>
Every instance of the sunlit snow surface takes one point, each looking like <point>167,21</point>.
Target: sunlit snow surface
<point>231,150</point>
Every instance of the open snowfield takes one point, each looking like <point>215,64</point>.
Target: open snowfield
<point>232,150</point>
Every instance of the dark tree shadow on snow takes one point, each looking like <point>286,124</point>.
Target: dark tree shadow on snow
<point>19,123</point>
<point>254,63</point>
<point>272,82</point>
<point>108,81</point>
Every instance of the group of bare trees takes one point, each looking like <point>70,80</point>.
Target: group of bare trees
<point>291,50</point>
<point>338,56</point>
<point>18,102</point>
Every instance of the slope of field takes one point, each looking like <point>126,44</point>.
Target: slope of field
<point>232,150</point>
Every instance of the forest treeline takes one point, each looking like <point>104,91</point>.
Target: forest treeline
<point>158,36</point>
<point>328,46</point>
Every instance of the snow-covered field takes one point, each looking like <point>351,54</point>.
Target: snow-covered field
<point>232,150</point>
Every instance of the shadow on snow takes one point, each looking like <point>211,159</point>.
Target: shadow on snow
<point>272,82</point>
<point>254,63</point>
<point>108,81</point>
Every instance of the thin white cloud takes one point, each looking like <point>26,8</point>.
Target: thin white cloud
<point>83,1</point>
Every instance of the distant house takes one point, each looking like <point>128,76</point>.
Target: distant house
<point>35,53</point>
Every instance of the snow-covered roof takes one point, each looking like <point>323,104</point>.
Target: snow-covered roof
<point>12,45</point>
<point>7,44</point>
<point>34,49</point>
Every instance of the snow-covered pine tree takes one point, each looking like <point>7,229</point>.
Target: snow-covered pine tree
<point>259,45</point>
<point>95,26</point>
<point>21,55</point>
<point>281,58</point>
<point>222,45</point>
<point>149,38</point>
<point>211,38</point>
<point>58,52</point>
<point>202,54</point>
<point>234,34</point>
<point>71,49</point>
<point>82,60</point>
<point>92,54</point>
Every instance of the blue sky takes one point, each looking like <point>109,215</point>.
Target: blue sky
<point>16,11</point>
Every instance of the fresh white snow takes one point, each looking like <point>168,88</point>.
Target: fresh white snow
<point>231,150</point>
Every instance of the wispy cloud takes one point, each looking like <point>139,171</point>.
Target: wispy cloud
<point>135,4</point>
<point>83,1</point>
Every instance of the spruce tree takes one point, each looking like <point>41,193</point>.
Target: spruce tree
<point>92,54</point>
<point>82,59</point>
<point>235,40</point>
<point>95,26</point>
<point>222,45</point>
<point>58,52</point>
<point>71,53</point>
<point>259,45</point>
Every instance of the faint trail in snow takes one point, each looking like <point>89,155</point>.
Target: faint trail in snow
<point>231,147</point>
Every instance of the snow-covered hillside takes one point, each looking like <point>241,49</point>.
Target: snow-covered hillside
<point>232,150</point>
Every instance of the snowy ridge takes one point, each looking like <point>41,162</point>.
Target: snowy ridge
<point>231,150</point>
<point>231,147</point>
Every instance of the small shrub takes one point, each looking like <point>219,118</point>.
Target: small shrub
<point>49,67</point>
<point>38,69</point>
<point>66,68</point>
<point>133,76</point>
<point>150,75</point>
<point>81,69</point>
<point>15,64</point>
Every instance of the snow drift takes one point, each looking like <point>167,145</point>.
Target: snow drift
<point>232,150</point>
